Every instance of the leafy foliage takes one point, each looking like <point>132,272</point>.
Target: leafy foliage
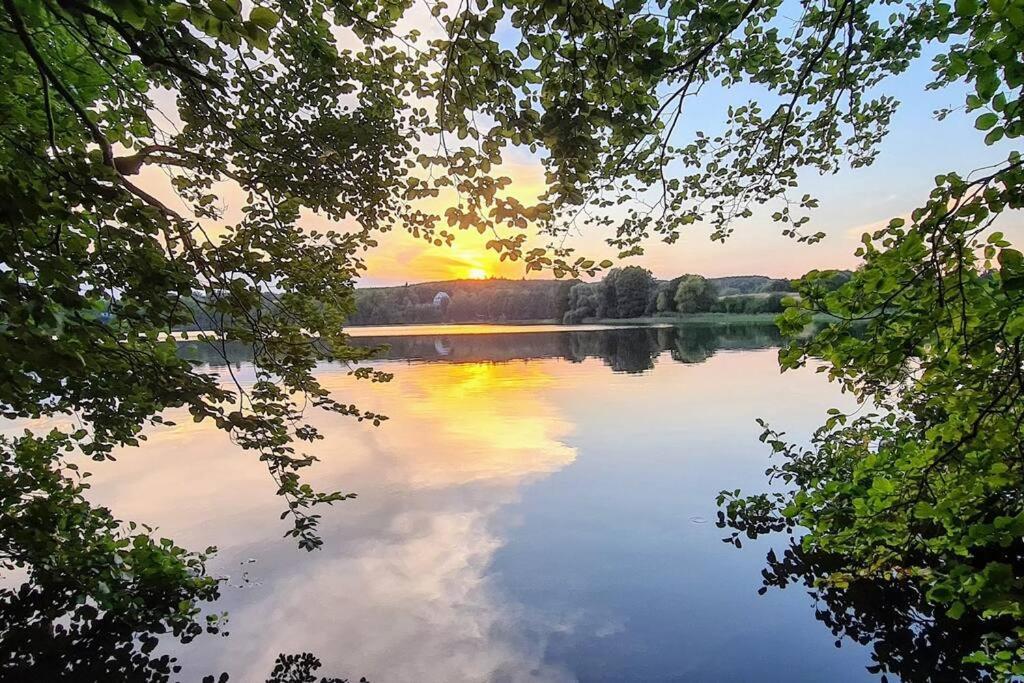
<point>545,83</point>
<point>741,284</point>
<point>694,294</point>
<point>97,271</point>
<point>586,300</point>
<point>770,302</point>
<point>94,590</point>
<point>926,486</point>
<point>570,301</point>
<point>301,668</point>
<point>626,292</point>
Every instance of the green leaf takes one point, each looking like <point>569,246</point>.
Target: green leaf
<point>264,18</point>
<point>994,135</point>
<point>1011,261</point>
<point>176,12</point>
<point>222,10</point>
<point>1015,327</point>
<point>966,8</point>
<point>986,121</point>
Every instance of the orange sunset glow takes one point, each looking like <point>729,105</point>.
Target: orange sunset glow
<point>404,258</point>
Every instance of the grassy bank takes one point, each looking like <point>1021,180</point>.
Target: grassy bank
<point>689,318</point>
<point>530,321</point>
<point>670,319</point>
<point>703,319</point>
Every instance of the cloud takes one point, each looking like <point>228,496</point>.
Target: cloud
<point>402,590</point>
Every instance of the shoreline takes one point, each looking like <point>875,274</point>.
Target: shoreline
<point>677,319</point>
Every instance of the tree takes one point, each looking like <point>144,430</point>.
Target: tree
<point>585,301</point>
<point>694,294</point>
<point>927,489</point>
<point>665,301</point>
<point>96,270</point>
<point>626,292</point>
<point>778,285</point>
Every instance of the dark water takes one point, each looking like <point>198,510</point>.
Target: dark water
<point>539,507</point>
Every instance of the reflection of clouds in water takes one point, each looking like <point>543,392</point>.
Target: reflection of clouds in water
<point>401,590</point>
<point>449,425</point>
<point>410,600</point>
<point>415,605</point>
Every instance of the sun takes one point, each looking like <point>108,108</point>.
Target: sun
<point>477,274</point>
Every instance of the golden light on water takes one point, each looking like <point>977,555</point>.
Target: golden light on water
<point>451,424</point>
<point>474,458</point>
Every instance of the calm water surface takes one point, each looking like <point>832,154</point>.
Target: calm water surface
<point>539,507</point>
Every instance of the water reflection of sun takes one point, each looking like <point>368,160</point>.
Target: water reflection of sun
<point>412,556</point>
<point>486,423</point>
<point>451,424</point>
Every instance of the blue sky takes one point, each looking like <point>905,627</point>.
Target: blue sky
<point>918,148</point>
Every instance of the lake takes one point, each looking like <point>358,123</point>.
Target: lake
<point>540,506</point>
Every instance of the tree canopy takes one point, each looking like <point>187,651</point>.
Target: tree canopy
<point>626,292</point>
<point>694,294</point>
<point>96,270</point>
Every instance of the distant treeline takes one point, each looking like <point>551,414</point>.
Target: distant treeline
<point>630,292</point>
<point>463,301</point>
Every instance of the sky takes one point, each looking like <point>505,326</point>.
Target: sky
<point>917,148</point>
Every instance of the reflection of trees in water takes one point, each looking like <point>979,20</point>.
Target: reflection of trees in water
<point>631,349</point>
<point>635,349</point>
<point>908,637</point>
<point>623,350</point>
<point>43,638</point>
<point>693,345</point>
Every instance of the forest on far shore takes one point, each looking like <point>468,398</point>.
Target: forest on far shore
<point>631,292</point>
